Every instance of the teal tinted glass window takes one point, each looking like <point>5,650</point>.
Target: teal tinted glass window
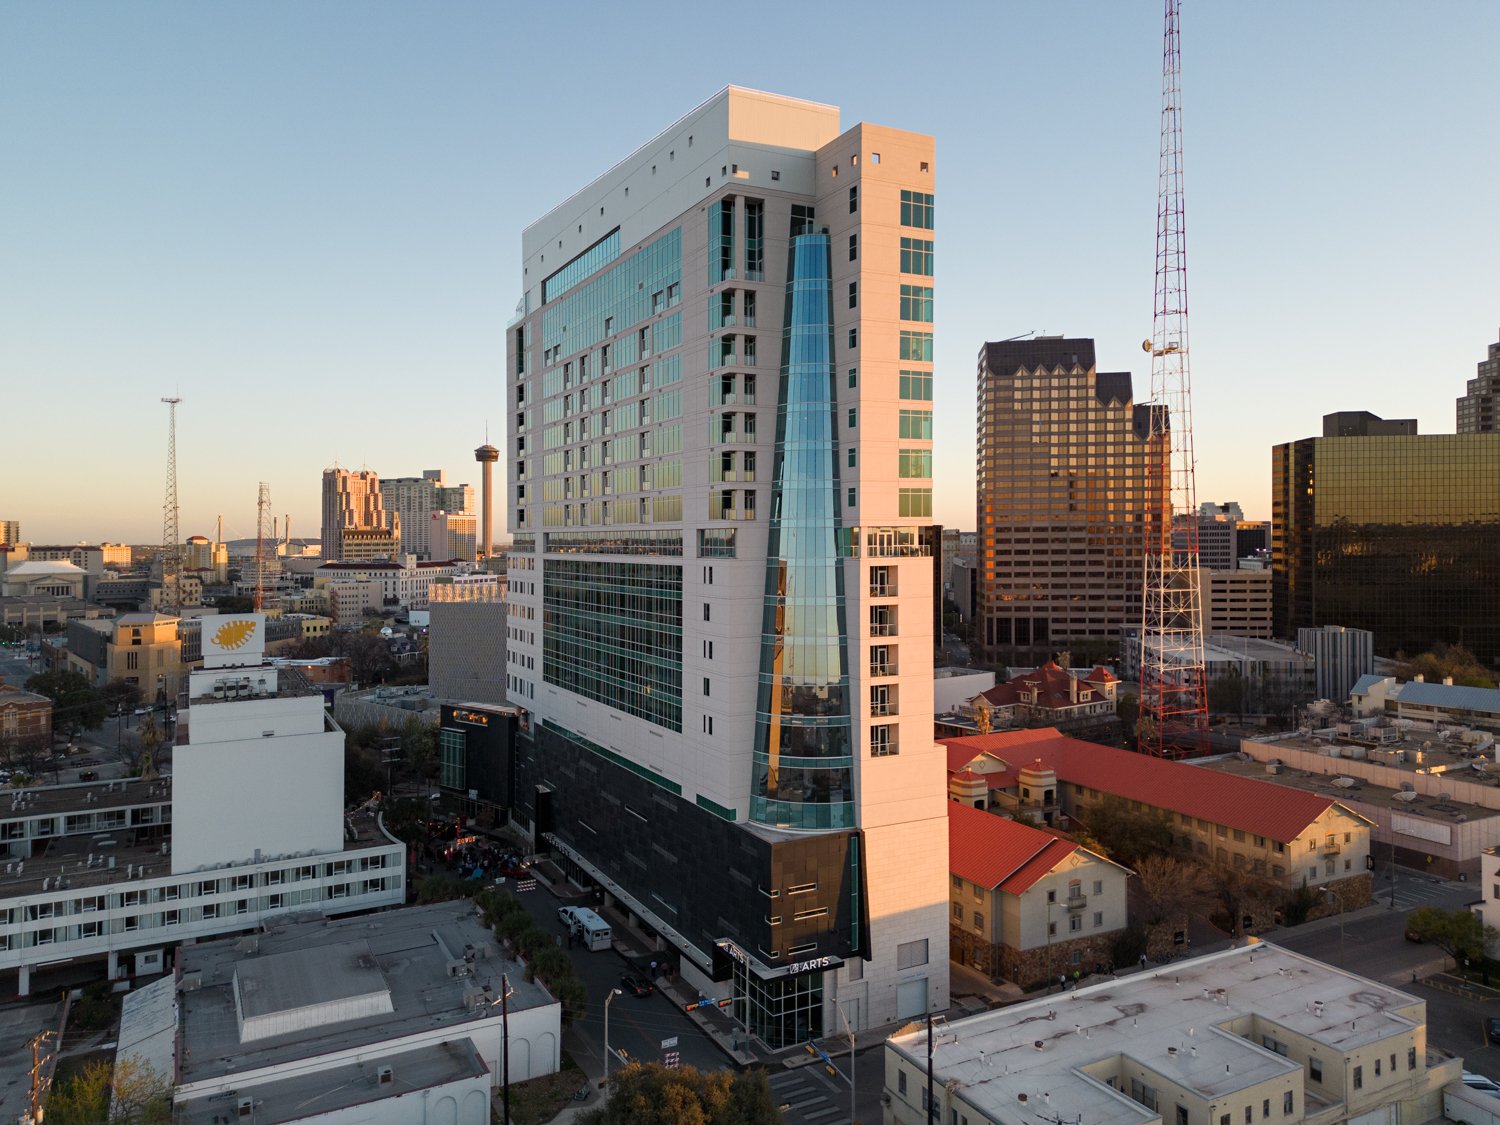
<point>916,425</point>
<point>916,386</point>
<point>595,258</point>
<point>916,303</point>
<point>916,346</point>
<point>916,256</point>
<point>916,209</point>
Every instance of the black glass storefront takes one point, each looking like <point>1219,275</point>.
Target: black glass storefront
<point>785,902</point>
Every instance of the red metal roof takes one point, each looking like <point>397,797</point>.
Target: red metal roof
<point>995,852</point>
<point>1262,807</point>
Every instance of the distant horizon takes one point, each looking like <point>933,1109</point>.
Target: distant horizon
<point>305,222</point>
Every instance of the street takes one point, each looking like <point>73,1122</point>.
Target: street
<point>637,1025</point>
<point>1375,945</point>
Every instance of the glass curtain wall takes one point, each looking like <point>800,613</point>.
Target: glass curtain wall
<point>802,761</point>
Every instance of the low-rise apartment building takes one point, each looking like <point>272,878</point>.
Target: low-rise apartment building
<point>1286,836</point>
<point>1026,905</point>
<point>1254,1034</point>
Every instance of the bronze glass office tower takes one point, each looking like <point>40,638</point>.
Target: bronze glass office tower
<point>1062,491</point>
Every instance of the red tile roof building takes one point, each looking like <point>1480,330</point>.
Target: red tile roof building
<point>1289,835</point>
<point>1026,905</point>
<point>1051,695</point>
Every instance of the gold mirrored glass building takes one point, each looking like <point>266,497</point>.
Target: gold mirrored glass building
<point>1397,534</point>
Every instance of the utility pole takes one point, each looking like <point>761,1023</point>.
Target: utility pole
<point>1174,701</point>
<point>38,1085</point>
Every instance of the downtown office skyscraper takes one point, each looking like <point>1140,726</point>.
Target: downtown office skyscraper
<point>1064,485</point>
<point>720,399</point>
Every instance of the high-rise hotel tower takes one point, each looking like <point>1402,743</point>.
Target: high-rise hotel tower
<point>720,392</point>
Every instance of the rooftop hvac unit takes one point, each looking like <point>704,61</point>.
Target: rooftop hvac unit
<point>385,1076</point>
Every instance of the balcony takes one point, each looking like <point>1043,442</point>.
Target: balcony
<point>883,629</point>
<point>1330,847</point>
<point>882,589</point>
<point>878,671</point>
<point>883,710</point>
<point>1076,902</point>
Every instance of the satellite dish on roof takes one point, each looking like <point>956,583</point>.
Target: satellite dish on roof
<point>1146,345</point>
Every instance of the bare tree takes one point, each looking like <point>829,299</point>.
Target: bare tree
<point>1167,889</point>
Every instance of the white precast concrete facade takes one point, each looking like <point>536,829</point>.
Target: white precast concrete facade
<point>258,775</point>
<point>656,299</point>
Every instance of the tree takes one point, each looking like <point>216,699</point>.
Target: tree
<point>1126,835</point>
<point>1240,893</point>
<point>1443,660</point>
<point>651,1094</point>
<point>1461,933</point>
<point>235,603</point>
<point>1128,711</point>
<point>419,746</point>
<point>76,704</point>
<point>1226,695</point>
<point>1167,888</point>
<point>24,753</point>
<point>141,1096</point>
<point>121,696</point>
<point>369,656</point>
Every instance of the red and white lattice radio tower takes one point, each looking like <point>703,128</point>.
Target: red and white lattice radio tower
<point>1174,704</point>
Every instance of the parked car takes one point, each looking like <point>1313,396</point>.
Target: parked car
<point>1492,1029</point>
<point>1481,1083</point>
<point>636,986</point>
<point>88,775</point>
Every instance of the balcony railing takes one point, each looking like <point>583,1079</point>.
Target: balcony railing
<point>882,628</point>
<point>882,589</point>
<point>883,710</point>
<point>1076,902</point>
<point>887,669</point>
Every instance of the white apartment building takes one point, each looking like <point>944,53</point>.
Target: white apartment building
<point>249,827</point>
<point>720,402</point>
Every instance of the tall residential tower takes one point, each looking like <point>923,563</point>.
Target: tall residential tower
<point>720,390</point>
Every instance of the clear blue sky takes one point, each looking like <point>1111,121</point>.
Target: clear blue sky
<point>305,218</point>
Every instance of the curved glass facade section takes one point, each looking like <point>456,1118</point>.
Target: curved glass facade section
<point>803,738</point>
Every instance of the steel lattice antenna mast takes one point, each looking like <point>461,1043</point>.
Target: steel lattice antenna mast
<point>1174,711</point>
<point>171,542</point>
<point>262,532</point>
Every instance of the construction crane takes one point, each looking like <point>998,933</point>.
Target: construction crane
<point>171,541</point>
<point>1174,704</point>
<point>262,533</point>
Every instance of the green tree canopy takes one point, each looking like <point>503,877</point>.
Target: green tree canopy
<point>76,704</point>
<point>1461,933</point>
<point>1442,661</point>
<point>651,1094</point>
<point>1126,835</point>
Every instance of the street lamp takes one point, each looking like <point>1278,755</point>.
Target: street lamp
<point>613,992</point>
<point>850,1030</point>
<point>1334,898</point>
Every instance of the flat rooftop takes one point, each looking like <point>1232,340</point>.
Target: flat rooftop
<point>411,950</point>
<point>341,1087</point>
<point>1335,784</point>
<point>1036,1061</point>
<point>138,855</point>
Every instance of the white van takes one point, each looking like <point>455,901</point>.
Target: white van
<point>590,928</point>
